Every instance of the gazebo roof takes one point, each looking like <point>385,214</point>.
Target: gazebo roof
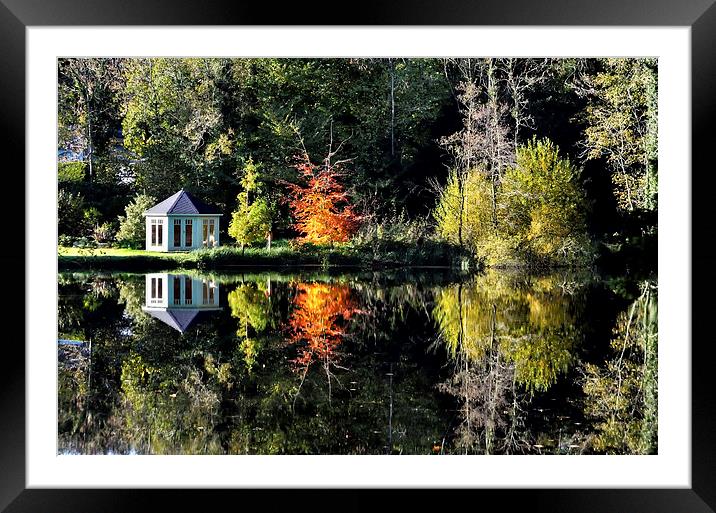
<point>182,203</point>
<point>180,320</point>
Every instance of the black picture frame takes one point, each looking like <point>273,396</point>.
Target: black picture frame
<point>700,15</point>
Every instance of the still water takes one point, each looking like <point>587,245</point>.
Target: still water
<point>372,363</point>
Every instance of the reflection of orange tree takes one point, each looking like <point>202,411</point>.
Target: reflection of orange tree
<point>317,324</point>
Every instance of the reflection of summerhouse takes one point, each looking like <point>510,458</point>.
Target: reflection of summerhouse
<point>178,299</point>
<point>181,223</point>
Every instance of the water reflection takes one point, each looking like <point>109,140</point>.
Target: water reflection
<point>497,363</point>
<point>250,304</point>
<point>178,299</point>
<point>507,338</point>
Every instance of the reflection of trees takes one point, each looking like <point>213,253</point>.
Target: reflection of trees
<point>317,324</point>
<point>80,300</point>
<point>386,310</point>
<point>508,337</point>
<point>510,340</point>
<point>88,314</point>
<point>250,303</point>
<point>73,378</point>
<point>167,409</point>
<point>621,395</point>
<point>131,294</point>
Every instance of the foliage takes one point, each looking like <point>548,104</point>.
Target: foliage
<point>251,221</point>
<point>621,395</point>
<point>622,127</point>
<point>155,124</point>
<point>70,213</point>
<point>545,206</point>
<point>317,323</point>
<point>539,211</point>
<point>321,207</point>
<point>70,172</point>
<point>132,228</point>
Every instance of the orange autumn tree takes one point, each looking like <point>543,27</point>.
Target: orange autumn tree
<point>321,207</point>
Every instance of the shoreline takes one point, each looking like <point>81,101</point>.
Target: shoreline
<point>438,257</point>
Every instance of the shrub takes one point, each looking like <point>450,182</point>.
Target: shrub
<point>70,213</point>
<point>131,226</point>
<point>103,233</point>
<point>65,240</point>
<point>545,206</point>
<point>538,217</point>
<point>70,172</point>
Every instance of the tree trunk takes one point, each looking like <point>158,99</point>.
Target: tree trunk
<point>89,136</point>
<point>494,202</point>
<point>494,136</point>
<point>461,189</point>
<point>392,107</point>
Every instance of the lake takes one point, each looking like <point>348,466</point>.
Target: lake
<point>317,362</point>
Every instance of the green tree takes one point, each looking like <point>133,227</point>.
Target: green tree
<point>251,221</point>
<point>132,229</point>
<point>89,91</point>
<point>621,119</point>
<point>70,213</point>
<point>175,122</point>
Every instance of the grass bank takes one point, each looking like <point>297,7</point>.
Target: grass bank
<point>383,255</point>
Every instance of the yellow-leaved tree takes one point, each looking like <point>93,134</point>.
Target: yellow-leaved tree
<point>251,221</point>
<point>534,216</point>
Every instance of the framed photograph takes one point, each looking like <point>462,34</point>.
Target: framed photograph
<point>420,251</point>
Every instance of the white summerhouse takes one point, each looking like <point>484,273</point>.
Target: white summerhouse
<point>181,223</point>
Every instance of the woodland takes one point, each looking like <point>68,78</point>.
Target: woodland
<point>418,256</point>
<point>471,162</point>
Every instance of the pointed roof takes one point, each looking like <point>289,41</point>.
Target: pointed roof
<point>182,203</point>
<point>178,319</point>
